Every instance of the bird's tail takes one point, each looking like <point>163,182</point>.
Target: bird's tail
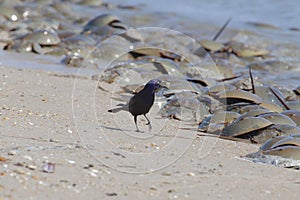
<point>115,110</point>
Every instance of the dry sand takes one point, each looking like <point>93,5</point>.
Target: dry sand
<point>38,125</point>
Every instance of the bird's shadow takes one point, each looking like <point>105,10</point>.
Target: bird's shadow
<point>122,130</point>
<point>114,129</point>
<point>132,133</point>
<point>119,129</point>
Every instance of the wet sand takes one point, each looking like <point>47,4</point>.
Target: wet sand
<point>38,126</point>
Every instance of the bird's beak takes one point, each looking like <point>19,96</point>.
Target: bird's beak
<point>163,84</point>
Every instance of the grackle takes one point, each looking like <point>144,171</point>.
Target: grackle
<point>141,102</point>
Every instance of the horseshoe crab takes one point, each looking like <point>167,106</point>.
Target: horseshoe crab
<point>217,121</point>
<point>268,96</point>
<point>294,115</point>
<point>236,96</point>
<point>280,151</point>
<point>214,89</point>
<point>277,118</point>
<point>246,127</point>
<point>289,151</point>
<point>255,112</point>
<point>104,24</point>
<point>225,117</point>
<point>168,67</point>
<point>270,142</point>
<point>242,50</point>
<point>37,42</point>
<point>293,141</point>
<point>209,45</point>
<point>177,85</point>
<point>248,108</point>
<point>274,131</point>
<point>271,107</point>
<point>286,147</point>
<point>184,106</point>
<point>43,37</point>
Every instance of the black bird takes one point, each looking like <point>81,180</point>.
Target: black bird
<point>141,102</point>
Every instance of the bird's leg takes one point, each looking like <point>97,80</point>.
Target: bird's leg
<point>135,121</point>
<point>148,122</point>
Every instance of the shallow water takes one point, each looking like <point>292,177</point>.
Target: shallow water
<point>200,20</point>
<point>192,13</point>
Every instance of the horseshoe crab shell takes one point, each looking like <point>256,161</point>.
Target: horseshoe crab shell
<point>216,88</point>
<point>292,152</point>
<point>276,130</point>
<point>104,24</point>
<point>294,115</point>
<point>102,20</point>
<point>217,121</point>
<point>271,107</point>
<point>241,50</point>
<point>293,141</point>
<point>43,37</point>
<point>236,96</point>
<point>211,45</point>
<point>241,127</point>
<point>270,142</point>
<point>268,96</point>
<point>277,118</point>
<point>283,146</point>
<point>255,112</point>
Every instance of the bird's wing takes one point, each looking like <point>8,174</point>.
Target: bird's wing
<point>132,102</point>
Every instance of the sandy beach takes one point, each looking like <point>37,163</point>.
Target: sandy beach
<point>58,140</point>
<point>38,126</point>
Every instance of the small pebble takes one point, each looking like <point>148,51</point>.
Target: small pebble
<point>166,174</point>
<point>27,157</point>
<point>191,174</point>
<point>19,171</point>
<point>54,140</point>
<point>88,166</point>
<point>2,159</point>
<point>94,170</point>
<point>153,188</point>
<point>32,167</point>
<point>93,174</point>
<point>49,167</point>
<point>111,194</point>
<point>71,161</point>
